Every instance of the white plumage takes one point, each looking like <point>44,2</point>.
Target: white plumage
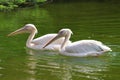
<point>38,43</point>
<point>45,38</point>
<point>79,48</point>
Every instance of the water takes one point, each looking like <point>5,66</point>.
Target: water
<point>87,20</point>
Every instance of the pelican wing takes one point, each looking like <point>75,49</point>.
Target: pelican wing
<point>46,38</point>
<point>86,47</point>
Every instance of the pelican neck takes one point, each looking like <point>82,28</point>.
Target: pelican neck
<point>30,38</point>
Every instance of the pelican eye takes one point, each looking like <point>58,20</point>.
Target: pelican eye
<point>62,33</point>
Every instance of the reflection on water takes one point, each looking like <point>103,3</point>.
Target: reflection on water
<point>51,64</point>
<point>91,20</point>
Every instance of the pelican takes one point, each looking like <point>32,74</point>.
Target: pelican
<point>80,48</point>
<point>38,43</point>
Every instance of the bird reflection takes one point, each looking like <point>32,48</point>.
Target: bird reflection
<point>45,64</point>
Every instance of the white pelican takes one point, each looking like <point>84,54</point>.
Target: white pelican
<point>79,48</point>
<point>38,43</point>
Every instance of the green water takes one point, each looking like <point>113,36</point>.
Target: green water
<point>87,20</point>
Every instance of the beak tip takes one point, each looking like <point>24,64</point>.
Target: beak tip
<point>19,31</point>
<point>9,35</point>
<point>43,46</point>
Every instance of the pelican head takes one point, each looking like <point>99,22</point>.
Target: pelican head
<point>28,28</point>
<point>62,33</point>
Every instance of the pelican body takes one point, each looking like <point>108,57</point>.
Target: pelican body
<point>79,48</point>
<point>38,43</point>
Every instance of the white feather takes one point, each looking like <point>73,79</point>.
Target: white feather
<point>45,38</point>
<point>85,48</point>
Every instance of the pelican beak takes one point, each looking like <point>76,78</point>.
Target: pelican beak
<point>55,38</point>
<point>18,31</point>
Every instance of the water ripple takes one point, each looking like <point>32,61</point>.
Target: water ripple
<point>66,68</point>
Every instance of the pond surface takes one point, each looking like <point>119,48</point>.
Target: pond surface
<point>87,20</point>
